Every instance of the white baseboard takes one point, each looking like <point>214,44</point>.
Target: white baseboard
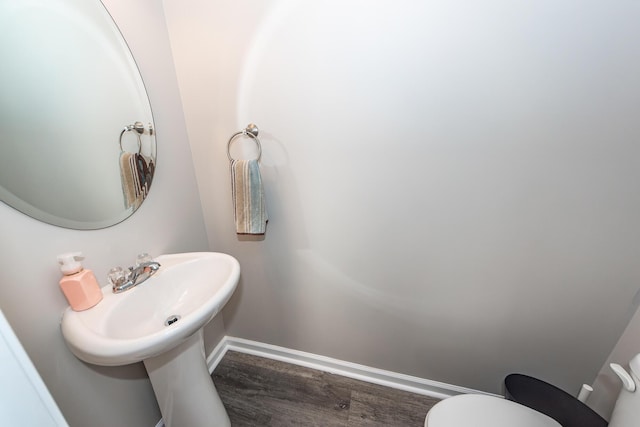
<point>347,369</point>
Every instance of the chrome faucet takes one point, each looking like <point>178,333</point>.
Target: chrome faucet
<point>122,281</point>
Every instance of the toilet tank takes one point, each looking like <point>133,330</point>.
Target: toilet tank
<point>626,413</point>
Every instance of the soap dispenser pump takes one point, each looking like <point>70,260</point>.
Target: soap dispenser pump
<point>78,285</point>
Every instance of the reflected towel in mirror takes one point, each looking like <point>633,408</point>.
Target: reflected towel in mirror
<point>136,173</point>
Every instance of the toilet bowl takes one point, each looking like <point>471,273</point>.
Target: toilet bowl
<point>484,411</point>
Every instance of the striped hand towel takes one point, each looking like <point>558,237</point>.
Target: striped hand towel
<point>130,180</point>
<point>248,197</point>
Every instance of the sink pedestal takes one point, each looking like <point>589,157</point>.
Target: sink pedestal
<point>183,386</point>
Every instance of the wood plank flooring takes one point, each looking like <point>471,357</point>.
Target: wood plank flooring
<point>264,392</point>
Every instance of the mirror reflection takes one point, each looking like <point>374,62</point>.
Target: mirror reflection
<point>77,139</point>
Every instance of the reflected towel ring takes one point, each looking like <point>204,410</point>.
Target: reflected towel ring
<point>138,127</point>
<point>251,131</point>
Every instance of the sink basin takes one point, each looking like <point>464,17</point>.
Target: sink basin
<point>160,322</point>
<point>132,326</point>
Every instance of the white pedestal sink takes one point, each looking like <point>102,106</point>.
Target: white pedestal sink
<point>160,323</point>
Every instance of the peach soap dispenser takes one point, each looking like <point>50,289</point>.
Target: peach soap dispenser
<point>78,285</point>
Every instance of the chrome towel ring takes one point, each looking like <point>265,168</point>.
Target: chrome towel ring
<point>138,129</point>
<point>251,131</point>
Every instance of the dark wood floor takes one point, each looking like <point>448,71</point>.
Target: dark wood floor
<point>263,392</point>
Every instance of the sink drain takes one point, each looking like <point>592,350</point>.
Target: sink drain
<point>171,319</point>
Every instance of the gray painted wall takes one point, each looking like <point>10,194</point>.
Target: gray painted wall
<point>452,185</point>
<point>170,220</point>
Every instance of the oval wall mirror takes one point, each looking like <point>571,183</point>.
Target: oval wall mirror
<point>77,139</point>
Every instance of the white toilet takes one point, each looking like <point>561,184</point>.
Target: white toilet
<point>626,413</point>
<point>490,411</point>
<point>479,410</point>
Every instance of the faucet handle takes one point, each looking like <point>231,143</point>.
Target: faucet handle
<point>116,276</point>
<point>143,258</point>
